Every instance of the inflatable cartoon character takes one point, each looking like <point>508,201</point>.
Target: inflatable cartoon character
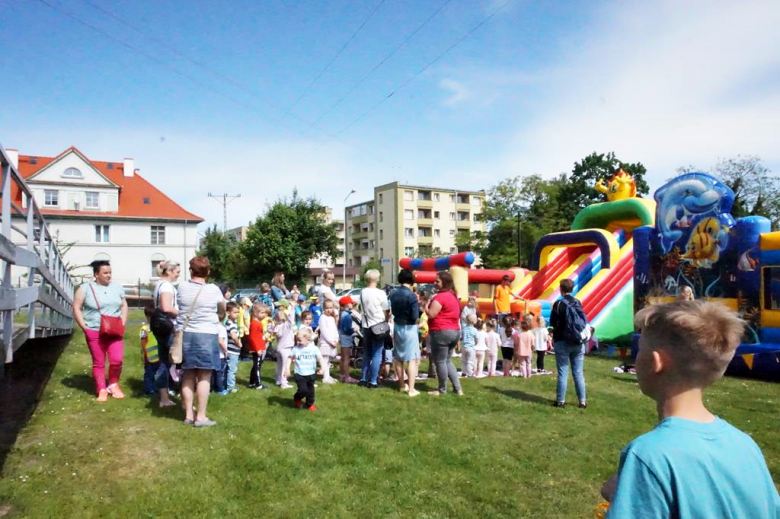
<point>620,186</point>
<point>705,243</point>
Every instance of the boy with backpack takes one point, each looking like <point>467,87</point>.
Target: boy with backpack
<point>570,332</point>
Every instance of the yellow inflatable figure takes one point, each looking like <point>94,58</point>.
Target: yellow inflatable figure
<point>620,187</point>
<point>703,247</point>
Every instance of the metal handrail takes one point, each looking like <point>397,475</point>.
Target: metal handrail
<point>49,284</point>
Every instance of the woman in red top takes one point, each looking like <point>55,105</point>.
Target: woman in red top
<point>444,322</point>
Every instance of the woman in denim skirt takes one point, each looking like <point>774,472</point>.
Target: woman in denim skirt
<point>198,302</point>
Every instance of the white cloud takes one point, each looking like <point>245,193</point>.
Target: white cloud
<point>458,92</point>
<point>667,84</point>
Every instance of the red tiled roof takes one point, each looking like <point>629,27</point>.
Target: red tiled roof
<point>132,191</point>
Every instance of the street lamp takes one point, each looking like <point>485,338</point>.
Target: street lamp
<point>346,241</point>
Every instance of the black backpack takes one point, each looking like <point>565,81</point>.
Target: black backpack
<point>572,323</point>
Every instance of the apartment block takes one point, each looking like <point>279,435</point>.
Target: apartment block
<point>409,221</point>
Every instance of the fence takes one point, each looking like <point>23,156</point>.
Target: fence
<point>26,243</point>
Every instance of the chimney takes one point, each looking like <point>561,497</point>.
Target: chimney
<point>13,156</point>
<point>129,168</point>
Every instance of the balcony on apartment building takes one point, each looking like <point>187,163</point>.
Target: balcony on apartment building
<point>463,221</point>
<point>424,217</point>
<point>463,202</point>
<point>424,236</point>
<point>424,199</point>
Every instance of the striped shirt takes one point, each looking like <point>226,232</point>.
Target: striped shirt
<point>230,327</point>
<point>306,359</point>
<point>469,336</point>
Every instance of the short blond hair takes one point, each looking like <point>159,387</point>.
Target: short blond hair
<point>306,333</point>
<point>471,318</point>
<point>700,337</point>
<point>372,276</point>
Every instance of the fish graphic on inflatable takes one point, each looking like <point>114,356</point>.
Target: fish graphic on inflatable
<point>708,238</point>
<point>687,200</point>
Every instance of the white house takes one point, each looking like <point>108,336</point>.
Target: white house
<point>107,210</point>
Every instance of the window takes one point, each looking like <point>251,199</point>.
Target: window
<point>424,196</point>
<point>147,200</point>
<point>408,232</point>
<point>436,197</point>
<point>463,199</point>
<point>408,251</point>
<point>463,216</point>
<point>380,198</point>
<point>423,213</point>
<point>436,215</point>
<point>101,234</point>
<point>370,210</point>
<point>475,218</point>
<point>437,233</point>
<point>409,196</point>
<point>51,197</point>
<point>158,235</point>
<point>476,201</point>
<point>381,253</point>
<point>381,216</point>
<point>452,198</point>
<point>371,227</point>
<point>453,250</point>
<point>452,216</point>
<point>452,233</point>
<point>381,234</point>
<point>72,173</point>
<point>92,199</point>
<point>424,232</point>
<point>154,273</point>
<point>371,244</point>
<point>408,214</point>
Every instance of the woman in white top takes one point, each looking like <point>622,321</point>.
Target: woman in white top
<point>164,298</point>
<point>325,290</point>
<point>373,302</point>
<point>198,302</point>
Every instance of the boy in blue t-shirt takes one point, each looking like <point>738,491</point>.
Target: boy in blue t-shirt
<point>693,464</point>
<point>305,356</point>
<point>316,311</point>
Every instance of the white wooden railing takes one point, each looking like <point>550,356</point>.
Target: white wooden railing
<point>47,299</point>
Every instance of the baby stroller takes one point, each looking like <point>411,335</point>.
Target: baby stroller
<point>356,358</point>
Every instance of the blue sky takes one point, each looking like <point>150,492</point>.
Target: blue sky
<point>214,96</point>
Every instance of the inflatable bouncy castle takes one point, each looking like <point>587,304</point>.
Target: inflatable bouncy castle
<point>597,255</point>
<point>695,242</point>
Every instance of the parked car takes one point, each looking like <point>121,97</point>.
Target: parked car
<point>251,293</point>
<point>132,291</point>
<point>354,293</point>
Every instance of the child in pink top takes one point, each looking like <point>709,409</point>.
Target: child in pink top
<point>524,345</point>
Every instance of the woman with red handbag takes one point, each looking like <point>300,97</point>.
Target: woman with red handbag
<point>100,309</point>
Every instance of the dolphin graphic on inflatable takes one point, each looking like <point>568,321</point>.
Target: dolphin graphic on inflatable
<point>686,200</point>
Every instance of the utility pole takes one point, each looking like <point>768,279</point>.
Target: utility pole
<point>519,250</point>
<point>224,199</point>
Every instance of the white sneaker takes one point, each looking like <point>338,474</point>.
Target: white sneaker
<point>329,380</point>
<point>286,386</point>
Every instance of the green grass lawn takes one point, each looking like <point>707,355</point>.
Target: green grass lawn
<point>501,450</point>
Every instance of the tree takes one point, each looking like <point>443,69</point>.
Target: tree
<point>222,252</point>
<point>756,190</point>
<point>579,191</point>
<point>290,233</point>
<point>536,201</point>
<point>370,264</point>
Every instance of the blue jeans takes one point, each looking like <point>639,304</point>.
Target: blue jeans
<point>565,354</point>
<point>219,377</point>
<point>372,356</point>
<point>163,372</point>
<point>232,368</point>
<point>149,371</point>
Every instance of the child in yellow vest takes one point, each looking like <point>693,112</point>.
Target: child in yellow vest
<point>151,359</point>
